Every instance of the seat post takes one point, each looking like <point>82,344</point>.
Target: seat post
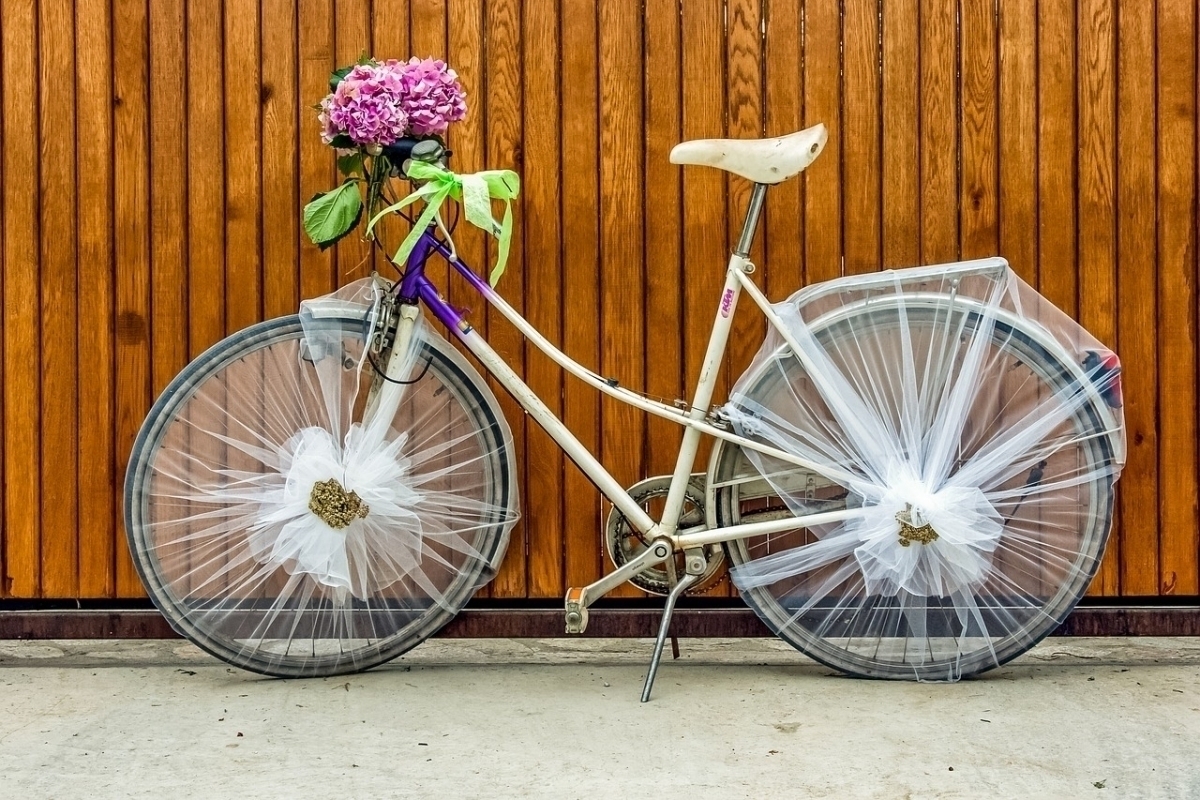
<point>753,211</point>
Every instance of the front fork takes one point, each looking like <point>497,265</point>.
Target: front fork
<point>383,399</point>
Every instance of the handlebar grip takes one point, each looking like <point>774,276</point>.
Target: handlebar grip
<point>427,150</point>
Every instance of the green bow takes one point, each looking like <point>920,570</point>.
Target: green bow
<point>475,191</point>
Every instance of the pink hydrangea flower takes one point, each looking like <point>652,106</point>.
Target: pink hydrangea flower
<point>432,95</point>
<point>378,103</point>
<point>366,106</point>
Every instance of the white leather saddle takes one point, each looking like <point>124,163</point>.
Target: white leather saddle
<point>759,160</point>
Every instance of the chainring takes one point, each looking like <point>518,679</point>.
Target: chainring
<point>623,542</point>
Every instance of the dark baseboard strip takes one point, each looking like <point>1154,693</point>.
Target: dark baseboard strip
<point>544,623</point>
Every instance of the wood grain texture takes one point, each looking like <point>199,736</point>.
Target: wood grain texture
<point>178,149</point>
<point>622,270</point>
<point>783,110</point>
<point>862,128</point>
<point>940,111</point>
<point>978,183</point>
<point>22,309</point>
<point>1176,147</point>
<point>1097,143</point>
<point>900,153</point>
<point>744,112</point>
<point>663,214</point>
<point>1137,300</point>
<point>543,268</point>
<point>280,112</point>
<point>98,481</point>
<point>581,278</point>
<point>131,128</point>
<point>243,165</point>
<point>503,107</point>
<point>59,290</point>
<point>823,104</point>
<point>317,170</point>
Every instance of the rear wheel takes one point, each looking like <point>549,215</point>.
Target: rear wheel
<point>1048,502</point>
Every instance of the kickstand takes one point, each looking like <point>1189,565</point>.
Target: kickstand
<point>677,590</point>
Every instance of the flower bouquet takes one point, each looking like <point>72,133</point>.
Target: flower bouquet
<point>371,106</point>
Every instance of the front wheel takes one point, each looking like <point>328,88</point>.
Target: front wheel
<point>276,532</point>
<point>977,462</point>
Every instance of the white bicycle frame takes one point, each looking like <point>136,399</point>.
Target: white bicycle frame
<point>663,537</point>
<point>695,418</point>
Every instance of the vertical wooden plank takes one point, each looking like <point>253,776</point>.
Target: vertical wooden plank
<point>900,152</point>
<point>503,102</point>
<point>580,281</point>
<point>427,28</point>
<point>744,20</point>
<point>978,189</point>
<point>823,103</point>
<point>468,57</point>
<point>243,190</point>
<point>98,485</point>
<point>1017,151</point>
<point>704,217</point>
<point>783,226</point>
<point>168,192</point>
<point>59,289</point>
<point>1056,155</point>
<point>862,146</point>
<point>206,175</point>
<point>744,110</point>
<point>390,29</point>
<point>621,166</point>
<point>1018,137</point>
<point>622,277</point>
<point>1097,140</point>
<point>939,133</point>
<point>662,215</point>
<point>131,128</point>
<point>206,207</point>
<point>1177,296</point>
<point>352,41</point>
<point>280,159</point>
<point>22,457</point>
<point>1137,304</point>
<point>542,222</point>
<point>316,160</point>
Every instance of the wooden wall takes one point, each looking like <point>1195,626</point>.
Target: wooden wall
<point>155,155</point>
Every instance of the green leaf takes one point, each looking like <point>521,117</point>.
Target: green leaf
<point>351,164</point>
<point>343,142</point>
<point>331,215</point>
<point>336,77</point>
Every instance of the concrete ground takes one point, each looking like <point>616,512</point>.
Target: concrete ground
<point>1090,718</point>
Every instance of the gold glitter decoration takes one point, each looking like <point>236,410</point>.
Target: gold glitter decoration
<point>910,533</point>
<point>333,504</point>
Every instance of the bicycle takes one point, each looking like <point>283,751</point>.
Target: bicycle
<point>914,478</point>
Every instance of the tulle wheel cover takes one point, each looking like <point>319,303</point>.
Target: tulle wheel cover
<point>276,508</point>
<point>960,458</point>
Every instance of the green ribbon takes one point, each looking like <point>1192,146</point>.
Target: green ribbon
<point>475,191</point>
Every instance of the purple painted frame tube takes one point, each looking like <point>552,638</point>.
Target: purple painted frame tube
<point>415,285</point>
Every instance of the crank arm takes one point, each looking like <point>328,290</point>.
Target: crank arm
<point>579,598</point>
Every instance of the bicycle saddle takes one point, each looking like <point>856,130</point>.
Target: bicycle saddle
<point>759,160</point>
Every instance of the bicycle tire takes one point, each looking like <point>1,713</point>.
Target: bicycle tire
<point>870,635</point>
<point>221,426</point>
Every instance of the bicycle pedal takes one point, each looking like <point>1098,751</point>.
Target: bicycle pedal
<point>576,611</point>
